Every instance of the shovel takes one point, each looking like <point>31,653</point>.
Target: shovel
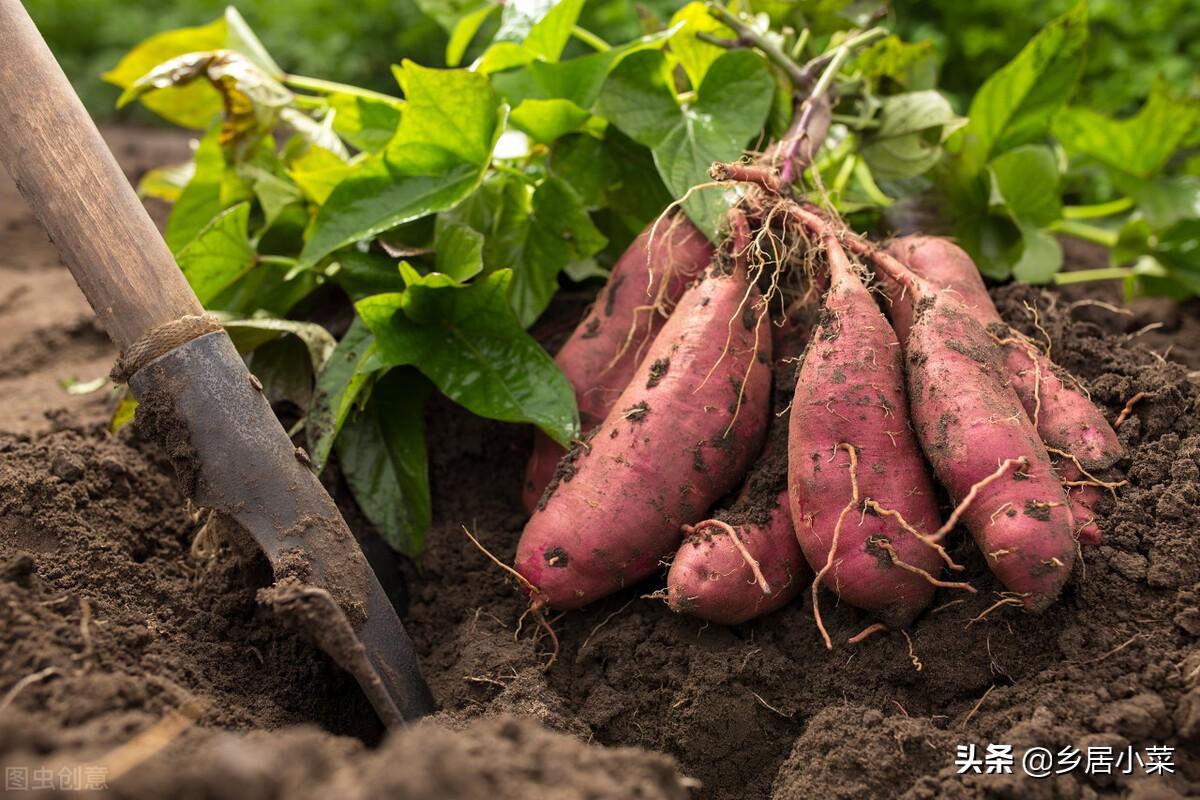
<point>195,395</point>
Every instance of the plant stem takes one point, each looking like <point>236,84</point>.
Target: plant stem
<point>801,43</point>
<point>310,101</point>
<point>1098,210</point>
<point>590,39</point>
<point>843,176</point>
<point>508,169</point>
<point>323,86</point>
<point>1089,233</point>
<point>832,64</point>
<point>798,132</point>
<point>1088,275</point>
<point>857,40</point>
<point>283,261</point>
<point>749,36</point>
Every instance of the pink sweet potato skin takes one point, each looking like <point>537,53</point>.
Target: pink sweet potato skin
<point>969,420</point>
<point>1066,420</point>
<point>1082,501</point>
<point>850,390</point>
<point>663,455</point>
<point>711,580</point>
<point>675,256</point>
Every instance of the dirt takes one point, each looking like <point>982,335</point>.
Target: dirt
<point>138,655</point>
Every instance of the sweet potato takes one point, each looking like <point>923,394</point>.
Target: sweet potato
<point>981,443</point>
<point>606,347</point>
<point>713,576</point>
<point>1082,497</point>
<point>680,436</point>
<point>745,562</point>
<point>849,444</point>
<point>1066,419</point>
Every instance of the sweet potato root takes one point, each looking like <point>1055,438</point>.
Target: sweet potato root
<point>1066,419</point>
<point>604,350</point>
<point>723,566</point>
<point>680,436</point>
<point>982,445</point>
<point>722,571</point>
<point>849,440</point>
<point>976,434</point>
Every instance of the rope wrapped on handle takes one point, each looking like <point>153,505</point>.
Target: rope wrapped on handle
<point>160,341</point>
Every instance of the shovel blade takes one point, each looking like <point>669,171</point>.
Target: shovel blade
<point>231,455</point>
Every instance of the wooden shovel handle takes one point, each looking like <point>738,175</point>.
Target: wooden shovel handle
<point>73,184</point>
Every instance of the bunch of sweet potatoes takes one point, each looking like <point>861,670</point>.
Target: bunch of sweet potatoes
<point>904,378</point>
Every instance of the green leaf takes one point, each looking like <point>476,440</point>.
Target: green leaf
<point>547,120</point>
<point>468,342</point>
<point>241,38</point>
<point>464,31</point>
<point>459,251</point>
<point>684,141</point>
<point>381,451</point>
<point>583,162</point>
<point>1140,145</point>
<point>345,374</point>
<point>1164,201</point>
<point>269,289</point>
<point>534,231</point>
<point>1025,183</point>
<point>191,106</point>
<point>166,183</point>
<point>1133,242</point>
<point>579,80</point>
<point>550,100</point>
<point>251,98</point>
<point>636,193</point>
<point>730,108</point>
<point>250,334</point>
<point>994,242</point>
<point>213,188</point>
<point>219,255</point>
<point>912,127</point>
<point>694,54</point>
<point>320,133</point>
<point>285,370</point>
<point>364,274</point>
<point>912,65</point>
<point>639,98</point>
<point>444,143</point>
<point>556,232</point>
<point>1041,255</point>
<point>542,27</point>
<point>501,56</point>
<point>1179,250</point>
<point>447,13</point>
<point>1014,106</point>
<point>274,193</point>
<point>124,413</point>
<point>365,122</point>
<point>317,172</point>
<point>1151,278</point>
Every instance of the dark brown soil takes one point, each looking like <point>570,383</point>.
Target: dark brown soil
<point>121,628</point>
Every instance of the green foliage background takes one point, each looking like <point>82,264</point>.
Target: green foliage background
<point>1130,43</point>
<point>357,42</point>
<point>353,42</point>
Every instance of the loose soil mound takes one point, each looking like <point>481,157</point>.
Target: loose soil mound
<point>110,625</point>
